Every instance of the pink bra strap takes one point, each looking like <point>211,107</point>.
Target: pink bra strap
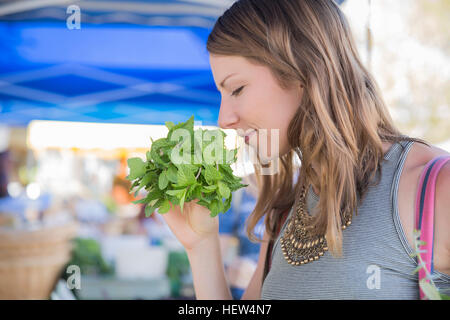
<point>424,215</point>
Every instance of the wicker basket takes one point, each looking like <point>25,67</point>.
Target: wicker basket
<point>32,261</point>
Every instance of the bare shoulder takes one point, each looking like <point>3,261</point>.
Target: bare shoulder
<point>418,157</point>
<point>421,154</point>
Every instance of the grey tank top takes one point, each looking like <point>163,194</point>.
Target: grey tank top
<point>375,262</point>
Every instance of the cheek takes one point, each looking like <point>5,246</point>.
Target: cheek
<point>275,106</point>
<point>251,107</point>
<point>269,108</point>
<point>281,120</point>
<point>261,110</point>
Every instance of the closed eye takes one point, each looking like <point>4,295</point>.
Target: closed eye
<point>237,91</point>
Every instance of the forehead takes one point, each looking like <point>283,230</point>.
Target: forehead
<point>222,66</point>
<point>220,62</point>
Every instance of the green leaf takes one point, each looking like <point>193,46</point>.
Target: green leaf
<point>211,174</point>
<point>143,200</point>
<point>169,124</point>
<point>224,191</point>
<point>185,176</point>
<point>197,193</point>
<point>137,168</point>
<point>210,196</point>
<point>172,173</point>
<point>146,179</point>
<point>176,193</point>
<point>165,207</point>
<point>149,209</point>
<point>191,190</point>
<point>203,203</point>
<point>237,186</point>
<point>134,185</point>
<point>163,181</point>
<point>227,205</point>
<point>157,152</point>
<point>152,195</point>
<point>214,207</point>
<point>183,197</point>
<point>209,189</point>
<point>188,125</point>
<point>221,206</point>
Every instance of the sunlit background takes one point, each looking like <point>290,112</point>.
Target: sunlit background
<point>80,96</point>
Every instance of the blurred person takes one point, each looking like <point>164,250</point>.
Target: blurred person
<point>121,195</point>
<point>293,66</point>
<point>126,212</point>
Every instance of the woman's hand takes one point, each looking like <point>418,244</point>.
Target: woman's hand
<point>193,226</point>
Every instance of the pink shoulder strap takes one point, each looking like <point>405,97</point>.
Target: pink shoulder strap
<point>424,215</point>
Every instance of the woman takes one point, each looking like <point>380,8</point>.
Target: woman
<point>292,65</point>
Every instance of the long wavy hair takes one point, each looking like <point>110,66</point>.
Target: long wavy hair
<point>341,121</point>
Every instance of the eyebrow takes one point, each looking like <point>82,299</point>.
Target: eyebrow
<point>226,78</point>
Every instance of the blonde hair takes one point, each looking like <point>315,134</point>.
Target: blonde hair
<point>341,121</point>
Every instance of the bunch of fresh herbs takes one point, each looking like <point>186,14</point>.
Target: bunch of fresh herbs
<point>186,165</point>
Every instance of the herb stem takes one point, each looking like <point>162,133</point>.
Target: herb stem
<point>198,173</point>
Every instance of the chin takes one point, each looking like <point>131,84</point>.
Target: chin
<point>267,157</point>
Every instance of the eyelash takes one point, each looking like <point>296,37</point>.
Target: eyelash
<point>237,91</point>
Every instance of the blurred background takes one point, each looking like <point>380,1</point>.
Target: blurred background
<point>84,85</point>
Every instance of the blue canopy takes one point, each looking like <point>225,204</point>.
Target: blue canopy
<point>130,62</point>
<point>114,73</point>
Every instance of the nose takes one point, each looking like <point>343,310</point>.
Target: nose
<point>228,119</point>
